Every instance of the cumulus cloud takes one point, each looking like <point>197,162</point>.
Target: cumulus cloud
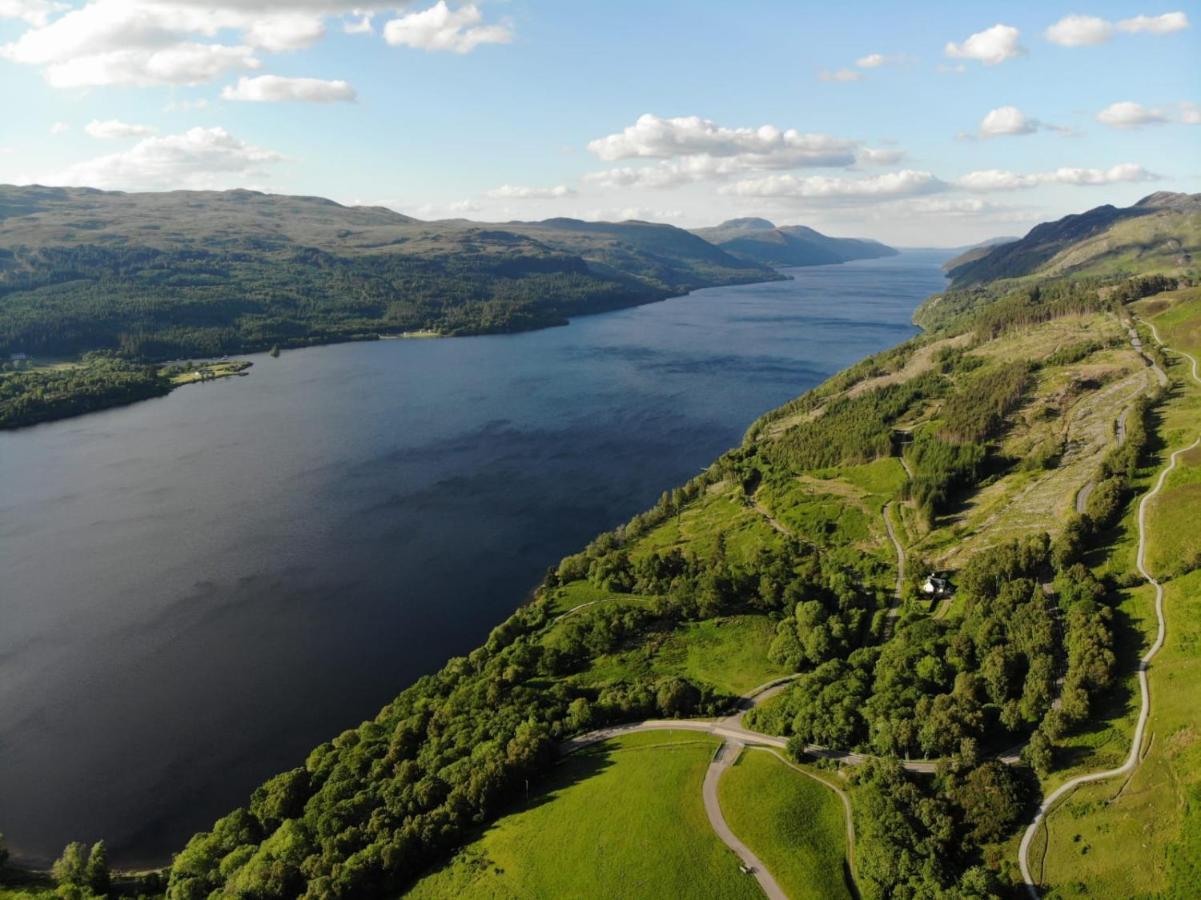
<point>114,129</point>
<point>839,75</point>
<point>276,89</point>
<point>60,128</point>
<point>1001,180</point>
<point>152,42</point>
<point>905,183</point>
<point>1009,121</point>
<point>880,156</point>
<point>516,192</point>
<point>441,28</point>
<point>127,42</point>
<point>200,158</point>
<point>655,137</point>
<point>992,46</point>
<point>1128,114</point>
<point>32,12</point>
<point>1084,31</point>
<point>1190,113</point>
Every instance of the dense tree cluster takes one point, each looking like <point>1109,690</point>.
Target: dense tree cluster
<point>990,676</point>
<point>919,838</point>
<point>28,396</point>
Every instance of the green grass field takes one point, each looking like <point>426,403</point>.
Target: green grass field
<point>622,819</point>
<point>729,653</point>
<point>696,529</point>
<point>795,825</point>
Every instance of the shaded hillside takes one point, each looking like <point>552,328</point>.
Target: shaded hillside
<point>189,273</point>
<point>760,241</point>
<point>1168,233</point>
<point>976,251</point>
<point>1159,237</point>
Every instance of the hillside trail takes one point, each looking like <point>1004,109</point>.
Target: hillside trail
<point>1132,758</point>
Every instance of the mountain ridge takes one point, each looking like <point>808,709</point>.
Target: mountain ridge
<point>762,241</point>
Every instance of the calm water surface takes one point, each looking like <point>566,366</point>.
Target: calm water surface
<point>198,589</point>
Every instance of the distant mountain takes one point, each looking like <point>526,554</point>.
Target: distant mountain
<point>1163,228</point>
<point>191,273</point>
<point>760,241</point>
<point>975,251</point>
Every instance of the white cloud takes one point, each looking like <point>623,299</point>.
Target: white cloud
<point>1163,24</point>
<point>1084,31</point>
<point>441,28</point>
<point>201,158</point>
<point>1007,120</point>
<point>880,157</point>
<point>655,137</point>
<point>60,128</point>
<point>515,192</point>
<point>276,89</point>
<point>1079,31</point>
<point>1190,113</point>
<point>284,31</point>
<point>127,42</point>
<point>876,60</point>
<point>1002,180</point>
<point>905,183</point>
<point>32,12</point>
<point>839,75</point>
<point>149,42</point>
<point>991,46</point>
<point>114,129</point>
<point>1128,114</point>
<point>633,213</point>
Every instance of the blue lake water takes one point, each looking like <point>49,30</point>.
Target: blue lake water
<point>198,589</point>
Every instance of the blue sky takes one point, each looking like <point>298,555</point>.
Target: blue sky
<point>920,124</point>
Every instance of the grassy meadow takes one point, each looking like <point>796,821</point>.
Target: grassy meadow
<point>792,823</point>
<point>621,819</point>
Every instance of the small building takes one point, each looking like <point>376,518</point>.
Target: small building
<point>937,586</point>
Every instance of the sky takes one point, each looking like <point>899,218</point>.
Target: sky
<point>920,124</point>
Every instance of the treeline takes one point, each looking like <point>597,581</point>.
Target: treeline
<point>29,396</point>
<point>155,305</point>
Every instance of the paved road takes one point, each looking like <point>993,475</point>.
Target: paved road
<point>726,754</point>
<point>1132,759</point>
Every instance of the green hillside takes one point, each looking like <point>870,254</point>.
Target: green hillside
<point>187,273</point>
<point>759,241</point>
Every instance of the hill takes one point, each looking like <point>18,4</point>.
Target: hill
<point>760,241</point>
<point>1162,230</point>
<point>976,251</point>
<point>191,273</point>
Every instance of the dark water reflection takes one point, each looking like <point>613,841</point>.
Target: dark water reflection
<point>196,590</point>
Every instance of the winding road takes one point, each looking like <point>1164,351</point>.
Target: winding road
<point>736,738</point>
<point>1132,759</point>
